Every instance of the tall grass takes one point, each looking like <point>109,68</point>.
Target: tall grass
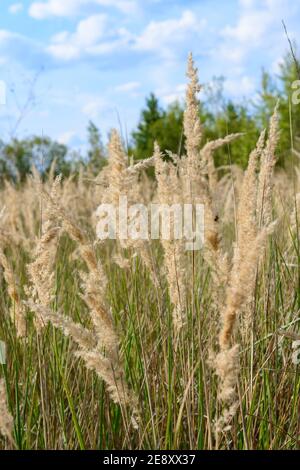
<point>130,344</point>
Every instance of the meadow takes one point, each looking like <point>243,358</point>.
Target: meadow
<point>131,344</point>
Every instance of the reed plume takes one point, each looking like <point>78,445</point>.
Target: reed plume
<point>248,250</point>
<point>265,182</point>
<point>17,310</point>
<point>207,157</point>
<point>191,122</point>
<point>199,182</point>
<point>41,269</point>
<point>169,192</point>
<point>99,349</point>
<point>122,178</point>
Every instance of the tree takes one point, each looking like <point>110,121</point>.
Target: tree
<point>17,158</point>
<point>168,130</point>
<point>20,155</point>
<point>96,154</point>
<point>5,172</point>
<point>235,118</point>
<point>289,113</point>
<point>44,151</point>
<point>268,96</point>
<point>166,127</point>
<point>146,133</point>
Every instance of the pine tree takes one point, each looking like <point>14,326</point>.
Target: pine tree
<point>96,155</point>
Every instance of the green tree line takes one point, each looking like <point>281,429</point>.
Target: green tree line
<point>220,116</point>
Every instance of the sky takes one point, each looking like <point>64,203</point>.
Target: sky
<point>65,62</point>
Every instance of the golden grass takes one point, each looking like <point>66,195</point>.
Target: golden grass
<point>189,345</point>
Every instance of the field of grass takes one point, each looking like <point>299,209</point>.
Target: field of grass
<point>180,350</point>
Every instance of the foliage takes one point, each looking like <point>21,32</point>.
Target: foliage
<point>219,116</point>
<point>96,153</point>
<point>18,157</point>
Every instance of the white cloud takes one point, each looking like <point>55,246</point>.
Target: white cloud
<point>126,6</point>
<point>256,4</point>
<point>89,31</point>
<point>67,8</point>
<point>97,36</point>
<point>158,35</point>
<point>230,52</point>
<point>15,8</point>
<point>247,3</point>
<point>16,47</point>
<point>250,28</point>
<point>258,28</point>
<point>68,46</point>
<point>93,106</point>
<point>66,138</point>
<point>239,86</point>
<point>42,10</point>
<point>170,95</point>
<point>276,65</point>
<point>116,41</point>
<point>128,87</point>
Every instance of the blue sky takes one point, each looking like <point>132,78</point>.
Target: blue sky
<point>67,61</point>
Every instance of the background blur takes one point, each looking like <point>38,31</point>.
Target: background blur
<point>74,69</point>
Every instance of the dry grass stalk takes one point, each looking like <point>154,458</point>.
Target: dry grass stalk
<point>169,192</point>
<point>206,154</point>
<point>198,188</point>
<point>94,282</point>
<point>191,121</point>
<point>123,181</point>
<point>103,357</point>
<point>184,180</point>
<point>41,270</point>
<point>265,182</point>
<point>193,167</point>
<point>6,419</point>
<point>294,218</point>
<point>249,247</point>
<point>17,311</point>
<point>85,339</point>
<point>90,351</point>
